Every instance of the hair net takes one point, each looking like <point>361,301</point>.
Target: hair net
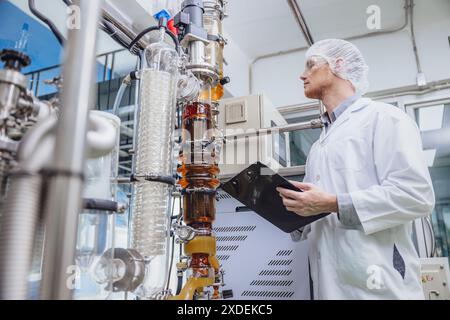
<point>354,67</point>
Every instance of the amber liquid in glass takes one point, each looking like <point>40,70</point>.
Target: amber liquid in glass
<point>198,170</point>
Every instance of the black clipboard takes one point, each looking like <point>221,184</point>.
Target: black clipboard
<point>256,186</point>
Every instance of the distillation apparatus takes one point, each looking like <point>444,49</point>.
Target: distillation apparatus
<point>44,146</point>
<point>201,145</point>
<point>185,81</point>
<point>198,67</point>
<point>43,149</point>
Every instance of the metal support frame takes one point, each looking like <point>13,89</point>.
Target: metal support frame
<point>63,198</point>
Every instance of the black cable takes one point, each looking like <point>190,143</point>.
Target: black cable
<point>101,205</point>
<point>154,28</point>
<point>180,277</point>
<point>171,262</point>
<point>173,250</point>
<point>140,35</point>
<point>424,239</point>
<point>40,16</point>
<point>433,236</point>
<point>179,284</point>
<point>110,30</point>
<point>106,27</point>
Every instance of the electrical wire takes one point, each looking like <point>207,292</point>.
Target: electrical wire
<point>140,35</point>
<point>109,28</point>
<point>424,238</point>
<point>40,16</point>
<point>413,36</point>
<point>433,236</point>
<point>172,247</point>
<point>115,34</point>
<point>180,277</point>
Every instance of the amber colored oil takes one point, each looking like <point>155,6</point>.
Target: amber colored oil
<point>217,93</point>
<point>198,170</point>
<point>200,264</point>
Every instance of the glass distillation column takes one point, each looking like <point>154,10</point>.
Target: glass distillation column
<point>153,163</point>
<point>200,150</point>
<point>212,19</point>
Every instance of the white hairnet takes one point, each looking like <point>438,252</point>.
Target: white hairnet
<point>354,67</point>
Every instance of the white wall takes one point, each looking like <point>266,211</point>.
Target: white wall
<point>237,68</point>
<point>390,57</point>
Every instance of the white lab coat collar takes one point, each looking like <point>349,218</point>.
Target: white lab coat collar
<point>358,105</point>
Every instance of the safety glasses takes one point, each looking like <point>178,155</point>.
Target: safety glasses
<point>314,62</point>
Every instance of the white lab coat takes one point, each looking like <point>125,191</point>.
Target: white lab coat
<point>374,153</point>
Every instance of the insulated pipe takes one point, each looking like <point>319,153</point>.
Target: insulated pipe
<point>20,213</point>
<point>125,31</point>
<point>63,199</point>
<point>301,21</point>
<point>413,36</point>
<point>21,210</point>
<point>122,32</point>
<point>101,137</point>
<point>18,226</point>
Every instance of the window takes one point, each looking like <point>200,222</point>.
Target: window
<point>300,142</point>
<point>434,124</point>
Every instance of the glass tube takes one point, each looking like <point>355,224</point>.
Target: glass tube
<point>151,201</point>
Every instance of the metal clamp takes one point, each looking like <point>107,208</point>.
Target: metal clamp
<point>198,190</point>
<point>134,266</point>
<point>184,233</point>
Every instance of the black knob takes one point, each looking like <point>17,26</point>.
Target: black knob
<point>225,81</point>
<point>227,294</point>
<point>14,59</point>
<point>133,75</point>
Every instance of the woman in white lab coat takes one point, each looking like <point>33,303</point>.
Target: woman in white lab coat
<point>368,169</point>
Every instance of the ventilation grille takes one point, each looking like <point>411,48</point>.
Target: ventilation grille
<point>284,253</point>
<point>272,283</point>
<point>235,112</point>
<point>268,294</point>
<point>223,195</point>
<point>235,229</point>
<point>280,262</point>
<point>275,273</point>
<point>231,238</point>
<point>227,248</point>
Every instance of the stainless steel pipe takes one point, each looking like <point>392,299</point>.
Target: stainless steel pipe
<point>63,198</point>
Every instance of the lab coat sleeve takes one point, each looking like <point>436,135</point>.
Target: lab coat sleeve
<point>347,213</point>
<point>405,190</point>
<point>302,233</point>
